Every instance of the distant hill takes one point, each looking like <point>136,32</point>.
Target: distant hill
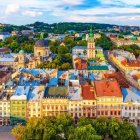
<point>61,27</point>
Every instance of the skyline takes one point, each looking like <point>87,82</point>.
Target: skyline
<point>120,12</point>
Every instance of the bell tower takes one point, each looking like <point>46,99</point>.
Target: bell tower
<point>91,45</point>
<point>21,59</point>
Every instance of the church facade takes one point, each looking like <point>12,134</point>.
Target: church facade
<point>24,60</point>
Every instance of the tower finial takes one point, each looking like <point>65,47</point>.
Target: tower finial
<point>41,35</point>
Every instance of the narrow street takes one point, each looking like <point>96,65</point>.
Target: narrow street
<point>5,133</point>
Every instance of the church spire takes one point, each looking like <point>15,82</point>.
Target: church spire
<point>91,32</point>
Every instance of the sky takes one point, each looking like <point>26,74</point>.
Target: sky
<point>21,12</point>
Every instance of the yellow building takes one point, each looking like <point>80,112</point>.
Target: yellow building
<point>109,98</point>
<point>34,103</point>
<point>54,106</point>
<point>34,108</point>
<point>76,108</point>
<point>121,62</point>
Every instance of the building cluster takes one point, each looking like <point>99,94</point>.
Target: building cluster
<point>124,42</point>
<point>92,89</point>
<point>24,60</point>
<point>127,63</point>
<point>49,92</point>
<point>90,57</point>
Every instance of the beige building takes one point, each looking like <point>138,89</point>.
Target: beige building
<point>120,42</point>
<point>24,60</point>
<point>76,108</point>
<point>4,109</point>
<point>54,106</point>
<point>34,108</point>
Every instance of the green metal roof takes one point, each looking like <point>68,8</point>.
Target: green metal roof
<point>56,92</point>
<point>21,51</point>
<point>97,68</point>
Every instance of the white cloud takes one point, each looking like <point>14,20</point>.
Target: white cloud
<point>12,8</point>
<point>32,13</point>
<point>122,10</point>
<point>123,2</point>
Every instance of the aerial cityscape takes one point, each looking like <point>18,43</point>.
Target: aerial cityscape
<point>75,77</point>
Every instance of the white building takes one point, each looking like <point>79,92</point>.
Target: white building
<point>131,105</point>
<point>4,35</point>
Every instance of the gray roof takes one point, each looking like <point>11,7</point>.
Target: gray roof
<point>80,47</point>
<point>41,43</point>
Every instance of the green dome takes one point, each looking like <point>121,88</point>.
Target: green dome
<point>21,51</point>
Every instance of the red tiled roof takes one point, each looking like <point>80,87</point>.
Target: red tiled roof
<point>119,77</point>
<point>81,64</point>
<point>131,63</point>
<point>88,92</point>
<point>107,88</point>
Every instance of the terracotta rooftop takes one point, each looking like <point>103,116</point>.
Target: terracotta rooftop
<point>107,88</point>
<point>81,63</point>
<point>131,63</point>
<point>88,92</point>
<point>119,77</point>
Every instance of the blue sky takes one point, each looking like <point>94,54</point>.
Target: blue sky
<point>122,12</point>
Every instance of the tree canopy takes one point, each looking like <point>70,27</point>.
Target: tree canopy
<point>63,127</point>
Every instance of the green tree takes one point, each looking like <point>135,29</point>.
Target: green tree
<point>86,132</point>
<point>63,50</point>
<point>101,126</point>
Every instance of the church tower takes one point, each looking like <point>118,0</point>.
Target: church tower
<point>91,46</point>
<point>21,59</point>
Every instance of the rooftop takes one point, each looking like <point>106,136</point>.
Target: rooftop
<point>88,92</point>
<point>131,95</point>
<point>97,68</point>
<point>74,93</point>
<point>107,88</point>
<point>41,43</point>
<point>56,92</point>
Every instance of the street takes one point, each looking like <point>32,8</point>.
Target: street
<point>5,133</point>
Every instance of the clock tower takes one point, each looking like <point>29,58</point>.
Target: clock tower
<point>91,45</point>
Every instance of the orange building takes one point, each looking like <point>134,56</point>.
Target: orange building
<point>109,98</point>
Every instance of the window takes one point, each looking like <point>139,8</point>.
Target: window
<point>119,112</point>
<point>102,112</point>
